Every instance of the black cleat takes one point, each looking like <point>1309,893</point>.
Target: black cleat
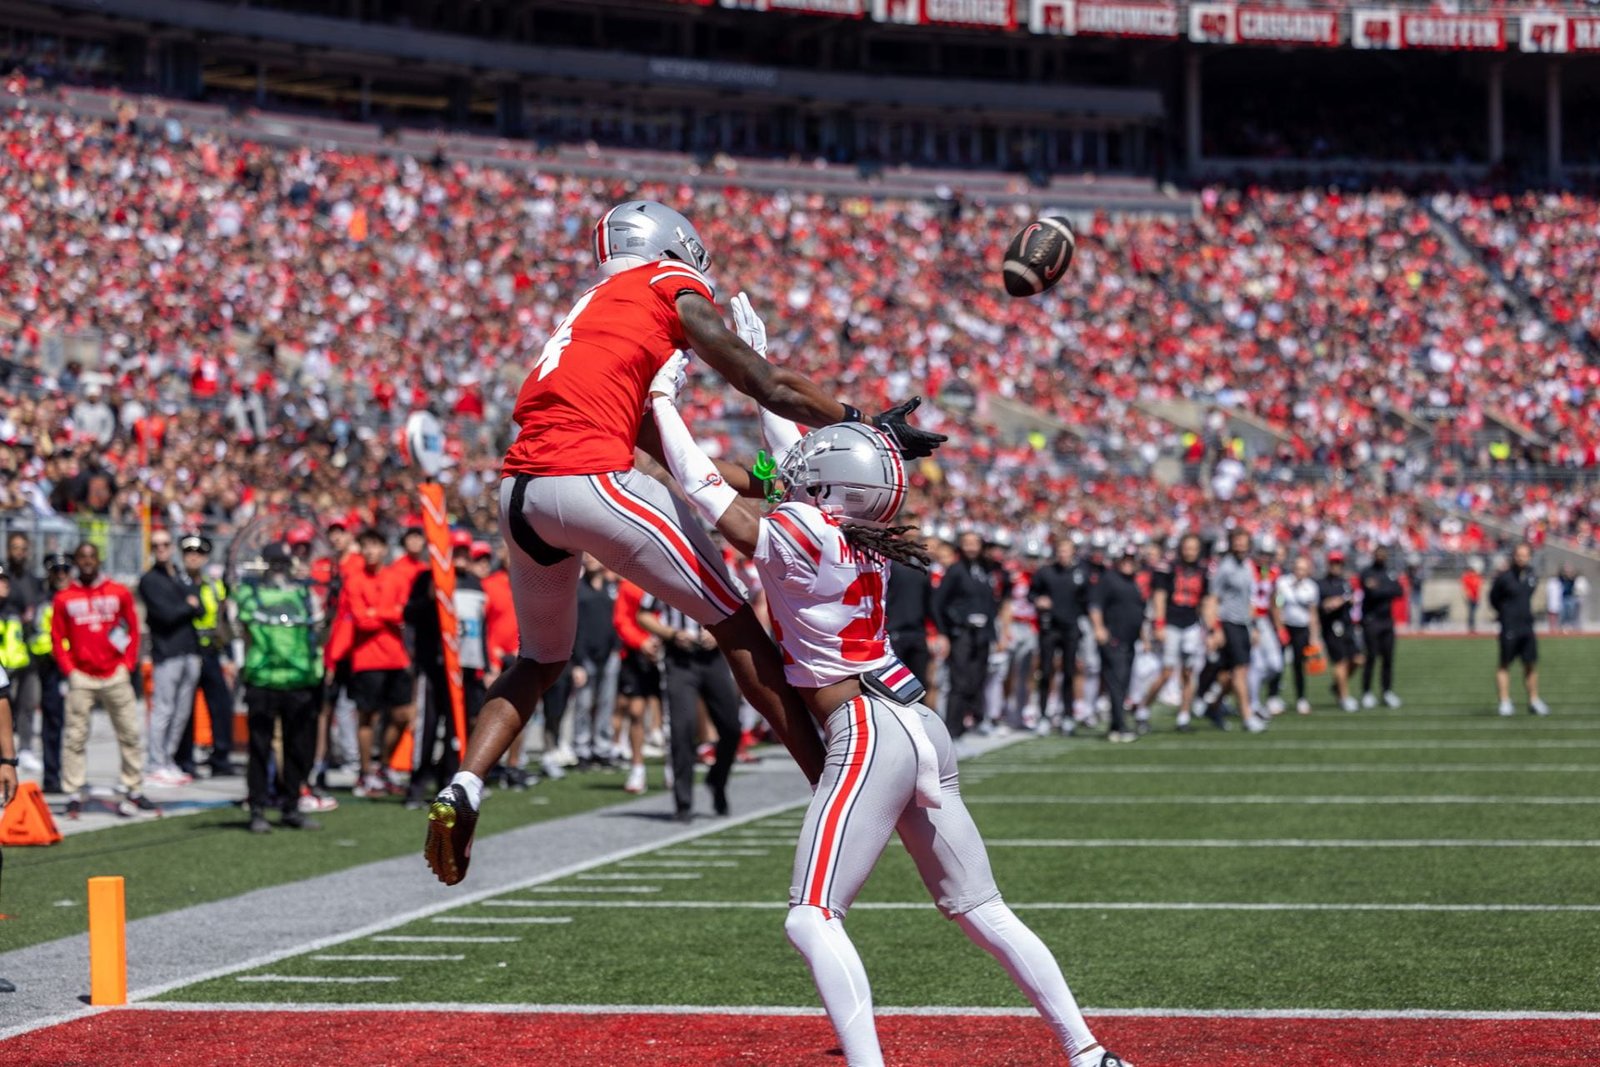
<point>719,799</point>
<point>259,823</point>
<point>451,822</point>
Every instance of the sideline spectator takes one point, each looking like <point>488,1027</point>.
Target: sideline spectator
<point>1472,592</point>
<point>1511,598</point>
<point>170,607</point>
<point>94,634</point>
<point>639,680</point>
<point>373,602</point>
<point>52,703</point>
<point>282,673</point>
<point>440,757</point>
<point>1380,591</point>
<point>214,636</point>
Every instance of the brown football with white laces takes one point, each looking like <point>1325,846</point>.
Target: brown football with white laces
<point>1038,256</point>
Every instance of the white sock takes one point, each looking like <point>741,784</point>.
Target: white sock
<point>996,929</point>
<point>472,784</point>
<point>841,981</point>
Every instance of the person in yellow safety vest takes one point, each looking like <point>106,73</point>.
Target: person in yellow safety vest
<point>216,661</point>
<point>52,695</point>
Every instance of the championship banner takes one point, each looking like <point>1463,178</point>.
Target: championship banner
<point>994,14</point>
<point>1375,28</point>
<point>1544,32</point>
<point>1455,33</point>
<point>1114,19</point>
<point>1212,24</point>
<point>437,530</point>
<point>853,9</point>
<point>1277,25</point>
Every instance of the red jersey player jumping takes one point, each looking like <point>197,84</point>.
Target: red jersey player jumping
<point>568,486</point>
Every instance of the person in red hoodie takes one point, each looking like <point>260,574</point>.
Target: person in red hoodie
<point>373,601</point>
<point>639,681</point>
<point>94,635</point>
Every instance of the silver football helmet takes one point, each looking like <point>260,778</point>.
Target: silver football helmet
<point>637,232</point>
<point>848,470</point>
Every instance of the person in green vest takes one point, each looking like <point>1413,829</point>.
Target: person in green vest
<point>14,655</point>
<point>216,663</point>
<point>52,698</point>
<point>282,672</point>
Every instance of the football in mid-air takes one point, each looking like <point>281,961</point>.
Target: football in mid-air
<point>1038,256</point>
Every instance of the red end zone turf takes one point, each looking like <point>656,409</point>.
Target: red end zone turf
<point>203,1038</point>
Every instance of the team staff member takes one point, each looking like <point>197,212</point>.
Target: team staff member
<point>1379,592</point>
<point>890,765</point>
<point>1298,598</point>
<point>639,679</point>
<point>25,601</point>
<point>373,603</point>
<point>170,608</point>
<point>282,673</point>
<point>216,665</point>
<point>1234,583</point>
<point>1060,595</point>
<point>908,609</point>
<point>692,672</point>
<point>52,702</point>
<point>8,769</point>
<point>1338,632</point>
<point>94,634</point>
<point>1511,598</point>
<point>1181,608</point>
<point>15,659</point>
<point>965,606</point>
<point>594,668</point>
<point>1116,611</point>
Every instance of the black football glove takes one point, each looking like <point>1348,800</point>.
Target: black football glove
<point>914,443</point>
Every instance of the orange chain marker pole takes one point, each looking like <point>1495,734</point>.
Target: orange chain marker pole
<point>108,943</point>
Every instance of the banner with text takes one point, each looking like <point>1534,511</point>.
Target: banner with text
<point>851,9</point>
<point>1110,18</point>
<point>1454,33</point>
<point>1544,32</point>
<point>993,14</point>
<point>1212,23</point>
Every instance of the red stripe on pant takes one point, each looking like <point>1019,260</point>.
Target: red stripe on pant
<point>708,579</point>
<point>833,818</point>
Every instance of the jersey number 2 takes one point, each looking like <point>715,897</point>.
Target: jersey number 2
<point>860,640</point>
<point>550,358</point>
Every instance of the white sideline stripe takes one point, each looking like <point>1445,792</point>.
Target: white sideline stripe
<point>700,863</point>
<point>1301,768</point>
<point>448,940</point>
<point>592,889</point>
<point>523,921</point>
<point>1265,798</point>
<point>1419,745</point>
<point>718,852</point>
<point>1286,842</point>
<point>1075,905</point>
<point>381,958</point>
<point>932,1010</point>
<point>308,979</point>
<point>681,876</point>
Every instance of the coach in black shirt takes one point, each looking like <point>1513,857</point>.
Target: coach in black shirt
<point>1116,611</point>
<point>908,608</point>
<point>1511,597</point>
<point>964,609</point>
<point>1379,591</point>
<point>695,671</point>
<point>1333,610</point>
<point>1059,592</point>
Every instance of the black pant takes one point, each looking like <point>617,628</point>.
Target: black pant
<point>219,706</point>
<point>440,757</point>
<point>1062,641</point>
<point>52,715</point>
<point>691,677</point>
<point>969,668</point>
<point>555,702</point>
<point>1380,642</point>
<point>298,709</point>
<point>912,648</point>
<point>1116,673</point>
<point>1299,641</point>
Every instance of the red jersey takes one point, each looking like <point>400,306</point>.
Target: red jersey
<point>94,629</point>
<point>625,616</point>
<point>500,617</point>
<point>375,603</point>
<point>579,409</point>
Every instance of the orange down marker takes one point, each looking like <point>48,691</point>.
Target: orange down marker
<point>108,943</point>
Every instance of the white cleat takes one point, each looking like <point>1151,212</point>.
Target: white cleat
<point>1256,724</point>
<point>1303,707</point>
<point>635,782</point>
<point>1391,699</point>
<point>1349,704</point>
<point>1538,707</point>
<point>1506,710</point>
<point>552,767</point>
<point>1369,701</point>
<point>1276,707</point>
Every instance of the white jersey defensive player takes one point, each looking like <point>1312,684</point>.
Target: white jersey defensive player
<point>823,555</point>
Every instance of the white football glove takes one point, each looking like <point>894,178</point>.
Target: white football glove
<point>670,378</point>
<point>748,325</point>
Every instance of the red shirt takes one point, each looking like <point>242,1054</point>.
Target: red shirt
<point>500,617</point>
<point>408,567</point>
<point>375,604</point>
<point>579,409</point>
<point>88,625</point>
<point>625,616</point>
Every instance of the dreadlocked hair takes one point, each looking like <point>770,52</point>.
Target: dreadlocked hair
<point>887,542</point>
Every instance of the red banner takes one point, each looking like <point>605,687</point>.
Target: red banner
<point>1543,31</point>
<point>1455,33</point>
<point>997,14</point>
<point>1112,19</point>
<point>843,8</point>
<point>436,528</point>
<point>1275,25</point>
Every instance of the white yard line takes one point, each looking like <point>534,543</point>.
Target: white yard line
<point>715,853</point>
<point>678,863</point>
<point>1276,799</point>
<point>1419,745</point>
<point>1286,842</point>
<point>1296,768</point>
<point>448,940</point>
<point>591,889</point>
<point>382,958</point>
<point>299,979</point>
<point>931,1010</point>
<point>530,920</point>
<point>680,876</point>
<point>1074,905</point>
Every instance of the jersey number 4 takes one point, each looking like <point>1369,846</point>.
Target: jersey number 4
<point>550,358</point>
<point>860,641</point>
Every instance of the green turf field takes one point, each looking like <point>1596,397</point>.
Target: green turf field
<point>177,862</point>
<point>1435,857</point>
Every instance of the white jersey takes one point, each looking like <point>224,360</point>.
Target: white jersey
<point>1297,599</point>
<point>825,599</point>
